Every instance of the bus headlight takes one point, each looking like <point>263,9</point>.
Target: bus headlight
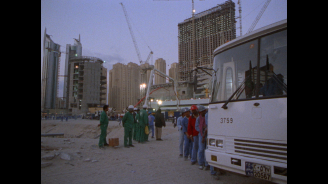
<point>219,143</point>
<point>211,142</point>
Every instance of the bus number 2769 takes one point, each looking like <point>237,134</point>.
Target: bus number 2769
<point>226,120</point>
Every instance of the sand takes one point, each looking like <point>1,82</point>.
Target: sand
<point>76,158</point>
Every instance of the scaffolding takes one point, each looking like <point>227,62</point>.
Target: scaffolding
<point>213,28</point>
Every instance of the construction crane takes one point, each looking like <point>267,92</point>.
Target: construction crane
<point>259,16</point>
<point>175,84</point>
<point>240,22</point>
<point>133,38</point>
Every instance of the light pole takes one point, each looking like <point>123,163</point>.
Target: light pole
<point>142,90</point>
<point>159,102</point>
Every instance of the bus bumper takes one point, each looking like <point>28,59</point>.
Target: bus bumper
<point>236,163</point>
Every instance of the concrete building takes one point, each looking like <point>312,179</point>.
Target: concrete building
<point>87,80</point>
<point>124,85</point>
<point>160,64</point>
<point>144,74</point>
<point>174,71</point>
<point>50,70</point>
<point>72,51</point>
<point>213,28</point>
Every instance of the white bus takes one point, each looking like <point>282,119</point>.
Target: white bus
<point>247,120</point>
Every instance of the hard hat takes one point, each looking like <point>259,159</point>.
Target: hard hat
<point>193,107</point>
<point>183,110</point>
<point>145,106</point>
<point>201,108</point>
<point>135,109</point>
<point>131,107</point>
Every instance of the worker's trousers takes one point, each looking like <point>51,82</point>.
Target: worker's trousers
<point>181,138</point>
<point>127,134</point>
<point>187,146</point>
<point>158,132</point>
<point>194,149</point>
<point>103,134</point>
<point>201,151</point>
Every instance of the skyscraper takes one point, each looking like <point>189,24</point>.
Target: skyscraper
<point>50,69</point>
<point>72,51</point>
<point>124,85</point>
<point>160,64</point>
<point>213,28</point>
<point>173,71</point>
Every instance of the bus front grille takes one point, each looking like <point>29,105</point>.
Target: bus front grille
<point>272,151</point>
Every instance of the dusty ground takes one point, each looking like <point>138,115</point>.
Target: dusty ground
<point>76,158</point>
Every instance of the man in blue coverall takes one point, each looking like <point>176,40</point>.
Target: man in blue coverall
<point>187,142</point>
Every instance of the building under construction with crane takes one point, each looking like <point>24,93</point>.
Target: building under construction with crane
<point>213,28</point>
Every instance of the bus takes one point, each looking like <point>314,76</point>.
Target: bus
<point>247,114</point>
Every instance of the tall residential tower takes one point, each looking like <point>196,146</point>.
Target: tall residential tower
<point>50,70</point>
<point>160,64</point>
<point>72,51</point>
<point>124,85</point>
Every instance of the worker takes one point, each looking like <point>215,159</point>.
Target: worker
<point>135,127</point>
<point>159,123</point>
<point>179,124</point>
<point>187,142</point>
<point>201,127</point>
<point>151,119</point>
<point>128,126</point>
<point>143,121</point>
<point>193,133</point>
<point>103,127</point>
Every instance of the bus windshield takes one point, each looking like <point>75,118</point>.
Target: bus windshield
<point>254,69</point>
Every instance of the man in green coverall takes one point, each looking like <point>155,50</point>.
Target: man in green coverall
<point>128,126</point>
<point>143,122</point>
<point>103,127</point>
<point>135,125</point>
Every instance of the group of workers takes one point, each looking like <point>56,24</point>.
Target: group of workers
<point>192,127</point>
<point>137,125</point>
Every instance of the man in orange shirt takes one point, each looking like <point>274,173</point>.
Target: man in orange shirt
<point>193,133</point>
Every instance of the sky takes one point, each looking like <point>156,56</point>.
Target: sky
<point>105,33</point>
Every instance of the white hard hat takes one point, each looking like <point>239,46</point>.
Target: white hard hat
<point>201,108</point>
<point>131,107</point>
<point>135,109</point>
<point>183,110</point>
<point>145,106</point>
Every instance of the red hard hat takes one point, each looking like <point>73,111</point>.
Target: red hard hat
<point>193,107</point>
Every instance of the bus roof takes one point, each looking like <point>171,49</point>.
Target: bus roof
<point>252,35</point>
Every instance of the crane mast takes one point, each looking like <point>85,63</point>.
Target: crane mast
<point>258,16</point>
<point>241,28</point>
<point>131,32</point>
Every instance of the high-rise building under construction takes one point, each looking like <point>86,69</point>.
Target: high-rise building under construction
<point>213,28</point>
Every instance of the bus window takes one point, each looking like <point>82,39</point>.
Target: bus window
<point>236,67</point>
<point>228,82</point>
<point>273,65</point>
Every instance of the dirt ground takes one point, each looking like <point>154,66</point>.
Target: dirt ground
<point>76,158</point>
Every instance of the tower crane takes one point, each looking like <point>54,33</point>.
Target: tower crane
<point>133,38</point>
<point>259,16</point>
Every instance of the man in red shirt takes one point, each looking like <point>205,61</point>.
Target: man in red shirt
<point>193,133</point>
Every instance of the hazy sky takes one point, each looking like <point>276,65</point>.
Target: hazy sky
<point>105,33</point>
